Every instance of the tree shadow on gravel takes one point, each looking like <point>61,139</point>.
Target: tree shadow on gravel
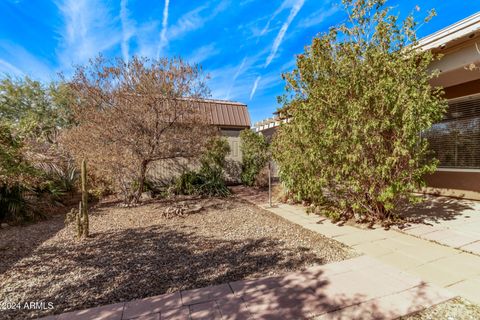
<point>124,265</point>
<point>18,242</point>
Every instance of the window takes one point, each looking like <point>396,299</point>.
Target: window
<point>455,141</point>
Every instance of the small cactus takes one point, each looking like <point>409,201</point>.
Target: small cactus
<point>82,215</point>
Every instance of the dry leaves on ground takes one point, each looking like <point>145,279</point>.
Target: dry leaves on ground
<point>137,252</point>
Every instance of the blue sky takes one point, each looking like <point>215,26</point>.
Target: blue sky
<point>244,45</point>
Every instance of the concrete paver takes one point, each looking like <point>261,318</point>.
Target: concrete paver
<point>406,275</point>
<point>466,288</point>
<point>206,294</point>
<point>451,261</point>
<point>108,312</point>
<point>143,307</point>
<point>357,286</point>
<point>401,260</point>
<point>472,247</point>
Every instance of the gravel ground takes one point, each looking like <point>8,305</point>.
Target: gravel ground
<point>455,309</point>
<point>136,252</point>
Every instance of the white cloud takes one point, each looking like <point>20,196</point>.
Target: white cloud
<point>9,69</point>
<point>192,20</point>
<point>223,88</point>
<point>239,71</point>
<point>195,19</point>
<point>17,61</point>
<point>278,40</point>
<point>163,33</point>
<point>127,30</point>
<point>203,53</point>
<point>254,88</point>
<point>284,5</point>
<point>318,17</point>
<point>88,29</point>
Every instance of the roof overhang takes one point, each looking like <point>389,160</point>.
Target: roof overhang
<point>461,30</point>
<point>459,46</point>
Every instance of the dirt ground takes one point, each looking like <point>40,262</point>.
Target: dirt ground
<point>137,252</point>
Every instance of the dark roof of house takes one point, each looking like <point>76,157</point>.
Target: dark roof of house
<point>225,113</point>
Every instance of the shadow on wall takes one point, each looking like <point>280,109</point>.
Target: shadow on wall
<point>435,209</point>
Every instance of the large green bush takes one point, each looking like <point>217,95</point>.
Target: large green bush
<point>358,102</point>
<point>255,155</point>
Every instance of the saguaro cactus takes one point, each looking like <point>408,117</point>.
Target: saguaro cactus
<point>82,217</point>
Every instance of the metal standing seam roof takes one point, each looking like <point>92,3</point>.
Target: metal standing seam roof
<point>225,113</point>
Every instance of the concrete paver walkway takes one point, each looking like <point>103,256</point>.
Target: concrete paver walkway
<point>451,268</point>
<point>452,222</point>
<point>358,288</point>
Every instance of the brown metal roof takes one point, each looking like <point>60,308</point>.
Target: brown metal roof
<point>225,113</point>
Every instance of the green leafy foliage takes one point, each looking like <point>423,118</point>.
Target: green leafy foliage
<point>59,180</point>
<point>12,203</point>
<point>209,180</point>
<point>31,115</point>
<point>358,102</point>
<point>33,109</point>
<point>255,155</point>
<point>217,150</point>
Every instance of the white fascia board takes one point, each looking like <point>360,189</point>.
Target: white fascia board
<point>455,31</point>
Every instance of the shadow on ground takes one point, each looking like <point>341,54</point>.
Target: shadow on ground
<point>435,209</point>
<point>19,242</point>
<point>122,265</point>
<point>432,210</point>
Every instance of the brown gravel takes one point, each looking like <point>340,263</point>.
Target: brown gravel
<point>135,252</point>
<point>455,309</point>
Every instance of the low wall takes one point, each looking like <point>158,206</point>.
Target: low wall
<point>461,184</point>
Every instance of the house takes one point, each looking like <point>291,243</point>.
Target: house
<point>230,118</point>
<point>455,140</point>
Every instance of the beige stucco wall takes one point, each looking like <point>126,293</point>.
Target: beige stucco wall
<point>166,170</point>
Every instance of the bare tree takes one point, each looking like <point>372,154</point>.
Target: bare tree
<point>130,114</point>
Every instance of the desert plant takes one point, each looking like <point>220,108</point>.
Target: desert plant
<point>209,180</point>
<point>57,179</point>
<point>255,155</point>
<point>212,183</point>
<point>12,203</point>
<point>216,150</point>
<point>130,114</point>
<point>187,183</point>
<point>358,101</point>
<point>82,215</point>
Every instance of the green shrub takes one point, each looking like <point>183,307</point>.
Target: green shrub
<point>188,183</point>
<point>217,150</point>
<point>12,203</point>
<point>255,155</point>
<point>58,180</point>
<point>205,183</point>
<point>213,183</point>
<point>358,102</point>
<point>209,180</point>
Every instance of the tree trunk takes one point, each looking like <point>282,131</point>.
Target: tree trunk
<point>141,180</point>
<point>84,212</point>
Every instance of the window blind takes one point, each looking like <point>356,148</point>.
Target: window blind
<point>455,141</point>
